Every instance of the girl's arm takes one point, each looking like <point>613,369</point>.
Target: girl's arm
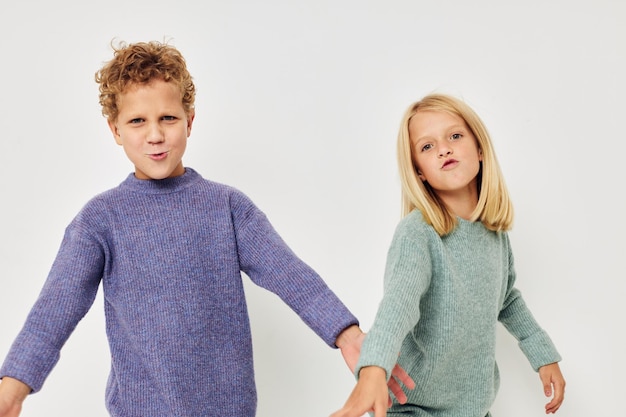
<point>407,277</point>
<point>533,341</point>
<point>350,341</point>
<point>369,395</point>
<point>517,318</point>
<point>553,385</point>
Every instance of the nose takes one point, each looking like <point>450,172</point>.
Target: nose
<point>445,150</point>
<point>155,134</point>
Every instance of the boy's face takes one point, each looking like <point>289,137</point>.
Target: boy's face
<point>153,128</point>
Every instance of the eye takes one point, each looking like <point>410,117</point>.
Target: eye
<point>169,118</point>
<point>426,147</point>
<point>136,120</point>
<point>456,136</point>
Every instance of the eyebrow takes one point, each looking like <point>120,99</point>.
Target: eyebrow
<point>451,128</point>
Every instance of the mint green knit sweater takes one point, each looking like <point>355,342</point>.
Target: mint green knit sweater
<point>443,297</point>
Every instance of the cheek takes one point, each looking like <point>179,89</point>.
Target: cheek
<point>419,162</point>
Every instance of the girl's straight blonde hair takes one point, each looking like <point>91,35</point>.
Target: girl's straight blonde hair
<point>494,208</point>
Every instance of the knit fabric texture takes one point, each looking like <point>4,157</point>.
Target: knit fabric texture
<point>443,298</point>
<point>169,254</point>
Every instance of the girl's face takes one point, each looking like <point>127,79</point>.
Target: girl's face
<point>153,128</point>
<point>445,153</point>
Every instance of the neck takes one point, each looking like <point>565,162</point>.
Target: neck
<point>462,204</point>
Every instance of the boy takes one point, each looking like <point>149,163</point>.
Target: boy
<point>169,248</point>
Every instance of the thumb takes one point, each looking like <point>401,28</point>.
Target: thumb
<point>547,386</point>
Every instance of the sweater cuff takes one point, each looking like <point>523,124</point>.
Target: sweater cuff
<point>375,353</point>
<point>539,350</point>
<point>30,360</point>
<point>327,316</point>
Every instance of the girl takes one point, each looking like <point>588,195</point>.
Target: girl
<point>449,277</point>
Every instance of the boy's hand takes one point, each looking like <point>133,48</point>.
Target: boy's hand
<point>12,394</point>
<point>553,385</point>
<point>350,341</point>
<point>369,395</point>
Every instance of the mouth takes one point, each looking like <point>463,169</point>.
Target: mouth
<point>450,163</point>
<point>158,155</point>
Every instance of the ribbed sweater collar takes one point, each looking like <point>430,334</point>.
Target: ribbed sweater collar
<point>466,227</point>
<point>164,186</point>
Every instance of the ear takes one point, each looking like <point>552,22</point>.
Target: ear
<point>480,154</point>
<point>420,175</point>
<point>116,134</point>
<point>190,117</point>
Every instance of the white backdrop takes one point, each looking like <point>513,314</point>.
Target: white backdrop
<point>298,106</point>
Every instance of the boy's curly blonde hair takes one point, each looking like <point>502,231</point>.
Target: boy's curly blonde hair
<point>141,63</point>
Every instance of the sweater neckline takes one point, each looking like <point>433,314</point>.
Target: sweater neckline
<point>465,227</point>
<point>164,186</point>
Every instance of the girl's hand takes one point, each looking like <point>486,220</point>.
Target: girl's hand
<point>369,394</point>
<point>350,341</point>
<point>553,385</point>
<point>12,395</point>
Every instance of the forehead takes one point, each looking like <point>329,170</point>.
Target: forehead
<point>155,86</point>
<point>426,123</point>
<point>154,93</point>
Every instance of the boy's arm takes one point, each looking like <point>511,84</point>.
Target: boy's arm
<point>349,342</point>
<point>271,264</point>
<point>67,295</point>
<point>267,260</point>
<point>12,394</point>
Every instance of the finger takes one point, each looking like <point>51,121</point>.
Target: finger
<point>380,410</point>
<point>396,390</point>
<point>347,412</point>
<point>547,388</point>
<point>553,406</point>
<point>546,381</point>
<point>559,395</point>
<point>402,376</point>
<point>339,413</point>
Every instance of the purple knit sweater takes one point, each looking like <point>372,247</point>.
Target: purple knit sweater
<point>169,254</point>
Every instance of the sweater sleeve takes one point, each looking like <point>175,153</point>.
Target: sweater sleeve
<point>519,321</point>
<point>407,278</point>
<point>271,264</point>
<point>65,298</point>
